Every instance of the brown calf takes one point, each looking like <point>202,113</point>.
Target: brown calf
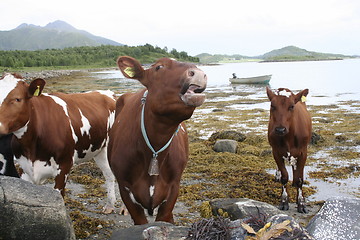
<point>53,131</point>
<point>289,133</point>
<point>150,178</point>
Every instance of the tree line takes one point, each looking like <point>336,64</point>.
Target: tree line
<point>101,56</point>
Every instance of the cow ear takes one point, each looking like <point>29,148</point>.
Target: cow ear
<point>36,87</point>
<point>130,67</point>
<point>301,96</point>
<point>269,93</point>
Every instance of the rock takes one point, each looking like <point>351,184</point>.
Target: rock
<point>240,208</point>
<point>29,211</point>
<point>225,145</point>
<point>233,135</point>
<point>315,138</point>
<point>237,232</point>
<point>339,218</point>
<point>151,231</point>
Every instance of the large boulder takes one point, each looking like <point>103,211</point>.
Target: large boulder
<point>339,218</point>
<point>225,145</point>
<point>239,208</point>
<point>29,211</point>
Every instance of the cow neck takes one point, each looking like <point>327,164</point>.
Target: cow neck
<point>154,164</point>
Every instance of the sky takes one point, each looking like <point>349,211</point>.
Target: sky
<point>245,27</point>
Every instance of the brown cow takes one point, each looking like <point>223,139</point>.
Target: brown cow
<point>53,131</point>
<point>150,178</point>
<point>289,133</point>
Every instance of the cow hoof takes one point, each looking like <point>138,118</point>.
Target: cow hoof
<point>302,209</point>
<point>284,206</point>
<point>108,210</point>
<point>124,211</point>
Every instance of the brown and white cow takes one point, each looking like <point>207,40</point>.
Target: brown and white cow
<point>289,133</point>
<point>53,131</point>
<point>150,178</point>
<point>7,166</point>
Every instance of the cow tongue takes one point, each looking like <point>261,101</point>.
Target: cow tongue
<point>193,96</point>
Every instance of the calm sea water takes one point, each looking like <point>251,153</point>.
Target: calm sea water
<point>331,80</point>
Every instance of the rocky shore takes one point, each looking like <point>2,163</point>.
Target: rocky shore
<point>46,74</point>
<point>244,173</point>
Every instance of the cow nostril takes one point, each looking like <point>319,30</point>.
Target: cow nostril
<point>280,130</point>
<point>191,73</point>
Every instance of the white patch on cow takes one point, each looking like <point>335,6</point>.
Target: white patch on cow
<point>7,84</point>
<point>85,125</point>
<point>3,160</point>
<point>277,175</point>
<point>286,158</point>
<point>111,119</point>
<point>63,104</point>
<point>152,190</point>
<point>284,194</point>
<point>88,155</point>
<point>107,93</point>
<point>291,160</point>
<point>300,197</point>
<point>284,93</point>
<point>38,171</point>
<point>132,197</point>
<point>21,131</point>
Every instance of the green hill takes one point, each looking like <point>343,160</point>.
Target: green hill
<point>292,53</point>
<point>56,35</point>
<point>206,58</point>
<point>289,53</point>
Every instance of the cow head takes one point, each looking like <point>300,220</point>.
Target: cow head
<point>14,100</point>
<point>174,87</point>
<point>283,103</point>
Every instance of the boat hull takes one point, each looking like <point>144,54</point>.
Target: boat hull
<point>251,80</point>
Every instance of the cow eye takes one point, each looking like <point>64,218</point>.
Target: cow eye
<point>291,108</point>
<point>273,107</point>
<point>158,67</point>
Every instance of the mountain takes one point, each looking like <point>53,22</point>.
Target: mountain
<point>55,35</point>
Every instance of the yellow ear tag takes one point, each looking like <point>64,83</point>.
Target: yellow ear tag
<point>303,99</point>
<point>37,91</point>
<point>130,71</point>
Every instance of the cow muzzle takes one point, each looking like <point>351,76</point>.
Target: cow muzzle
<point>193,88</point>
<point>281,131</point>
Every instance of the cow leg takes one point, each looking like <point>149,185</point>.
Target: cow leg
<point>298,182</point>
<point>284,198</point>
<point>166,207</point>
<point>103,163</point>
<point>134,208</point>
<point>61,178</point>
